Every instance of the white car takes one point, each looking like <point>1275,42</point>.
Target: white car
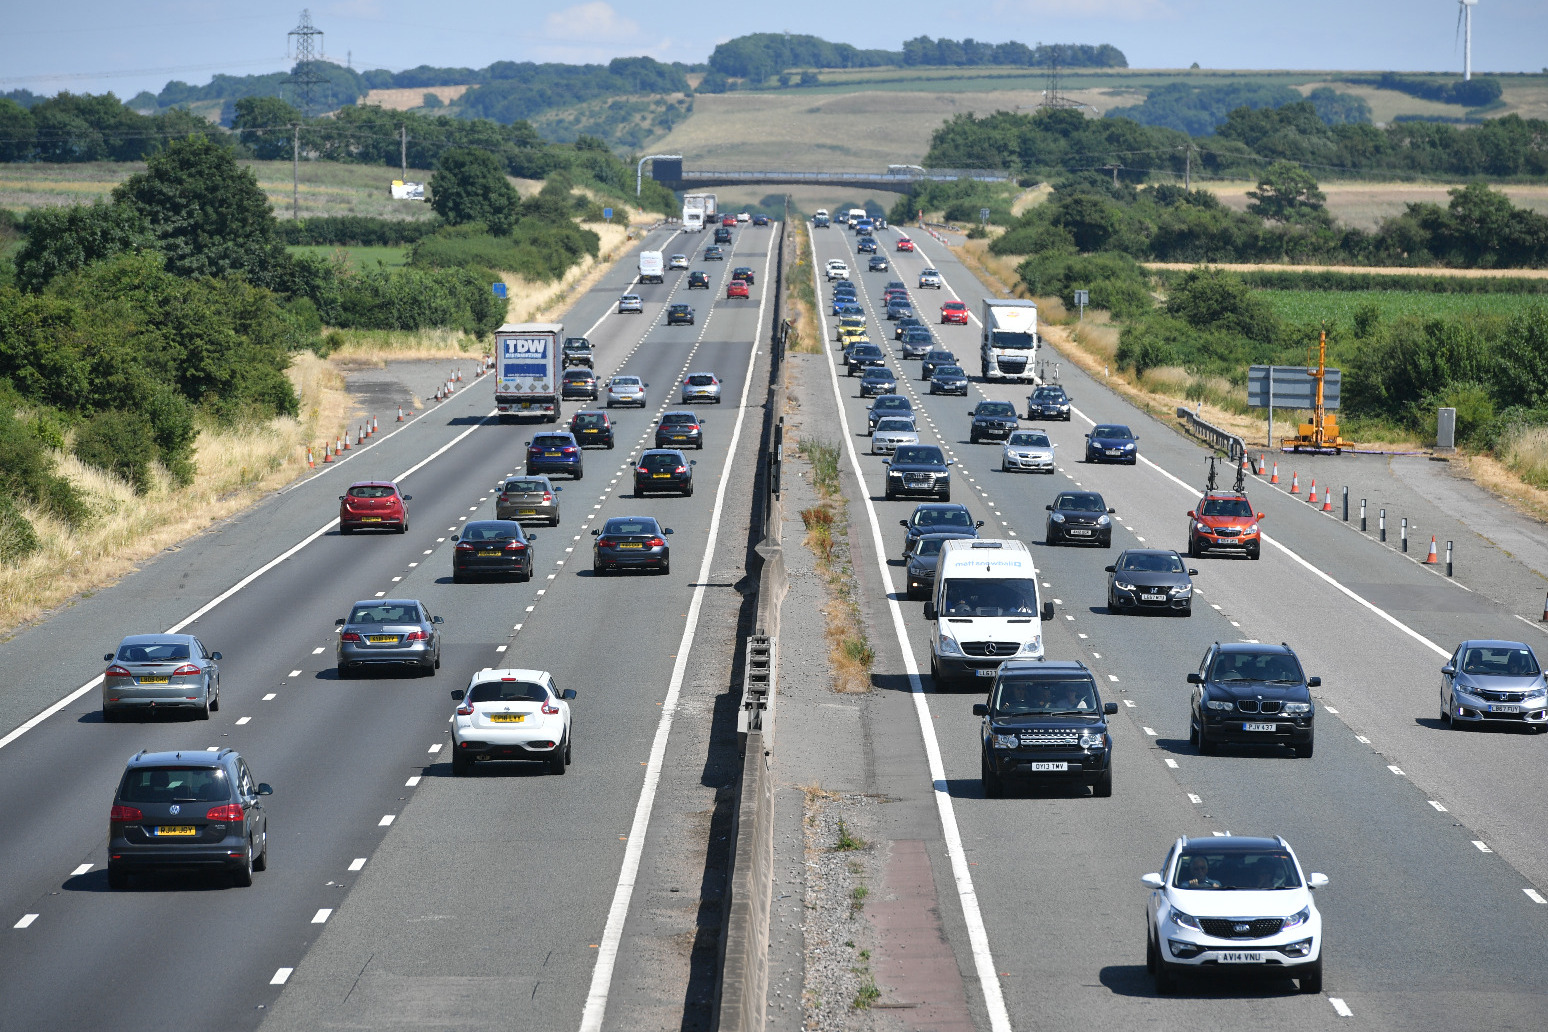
<point>626,390</point>
<point>701,387</point>
<point>631,303</point>
<point>511,714</point>
<point>892,431</point>
<point>1029,450</point>
<point>930,278</point>
<point>837,269</point>
<point>677,261</point>
<point>743,216</point>
<point>1233,904</point>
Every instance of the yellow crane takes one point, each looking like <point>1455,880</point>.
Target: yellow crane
<point>1321,434</point>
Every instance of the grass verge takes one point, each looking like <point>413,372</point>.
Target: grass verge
<point>801,295</point>
<point>850,655</point>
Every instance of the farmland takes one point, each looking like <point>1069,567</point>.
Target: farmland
<point>1338,307</point>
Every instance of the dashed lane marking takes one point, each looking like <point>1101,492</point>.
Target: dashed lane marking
<point>1535,896</point>
<point>357,864</point>
<point>1171,763</point>
<point>387,819</point>
<point>26,921</point>
<point>282,976</point>
<point>1439,807</point>
<point>80,870</point>
<point>1483,847</point>
<point>321,917</point>
<point>1341,1007</point>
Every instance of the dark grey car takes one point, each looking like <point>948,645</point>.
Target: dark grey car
<point>934,517</point>
<point>151,672</point>
<point>188,810</point>
<point>1494,682</point>
<point>528,500</point>
<point>389,632</point>
<point>925,557</point>
<point>887,405</point>
<point>932,359</point>
<point>949,379</point>
<point>1150,578</point>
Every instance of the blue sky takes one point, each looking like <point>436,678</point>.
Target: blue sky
<point>91,46</point>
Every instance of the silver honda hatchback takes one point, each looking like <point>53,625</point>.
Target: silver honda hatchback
<point>152,672</point>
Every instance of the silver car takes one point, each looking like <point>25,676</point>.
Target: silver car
<point>626,390</point>
<point>389,632</point>
<point>1028,450</point>
<point>532,499</point>
<point>160,671</point>
<point>1495,682</point>
<point>701,387</point>
<point>677,261</point>
<point>892,431</point>
<point>631,303</point>
<point>930,278</point>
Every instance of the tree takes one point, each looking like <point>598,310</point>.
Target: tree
<point>17,131</point>
<point>1287,193</point>
<point>263,124</point>
<point>469,186</point>
<point>1089,220</point>
<point>206,212</point>
<point>1213,299</point>
<point>64,238</point>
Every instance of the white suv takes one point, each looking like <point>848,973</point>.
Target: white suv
<point>930,278</point>
<point>511,714</point>
<point>837,269</point>
<point>1237,904</point>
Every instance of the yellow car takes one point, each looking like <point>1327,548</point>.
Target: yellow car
<point>849,331</point>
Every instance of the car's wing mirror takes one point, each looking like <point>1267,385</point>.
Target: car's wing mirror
<point>929,611</point>
<point>108,658</point>
<point>1048,507</point>
<point>408,498</point>
<point>1192,572</point>
<point>667,530</point>
<point>1314,682</point>
<point>1448,669</point>
<point>341,498</point>
<point>980,709</point>
<point>436,619</point>
<point>215,656</point>
<point>264,788</point>
<point>1110,509</point>
<point>1192,515</point>
<point>1110,708</point>
<point>1152,881</point>
<point>558,488</point>
<point>1194,678</point>
<point>337,623</point>
<point>1260,516</point>
<point>980,523</point>
<point>693,462</point>
<point>901,523</point>
<point>596,533</point>
<point>1048,613</point>
<point>1317,880</point>
<point>1110,569</point>
<point>458,694</point>
<point>567,694</point>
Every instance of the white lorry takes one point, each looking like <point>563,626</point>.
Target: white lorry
<point>986,609</point>
<point>1010,344</point>
<point>527,370</point>
<point>693,214</point>
<point>652,267</point>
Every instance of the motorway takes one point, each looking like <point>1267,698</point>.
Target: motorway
<point>397,895</point>
<point>1435,841</point>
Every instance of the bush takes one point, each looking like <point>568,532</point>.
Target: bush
<point>27,472</point>
<point>17,538</point>
<point>354,231</point>
<point>1116,282</point>
<point>418,299</point>
<point>119,443</point>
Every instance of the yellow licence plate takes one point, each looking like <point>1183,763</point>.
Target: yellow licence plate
<point>488,555</point>
<point>154,680</point>
<point>507,718</point>
<point>630,544</point>
<point>382,639</point>
<point>526,512</point>
<point>660,476</point>
<point>370,519</point>
<point>175,830</point>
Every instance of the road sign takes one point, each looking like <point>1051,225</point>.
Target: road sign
<point>983,214</point>
<point>1292,387</point>
<point>1083,298</point>
<point>607,213</point>
<point>499,289</point>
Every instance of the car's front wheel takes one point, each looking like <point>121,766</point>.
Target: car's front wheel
<point>1310,979</point>
<point>990,779</point>
<point>1305,751</point>
<point>1166,982</point>
<point>1102,788</point>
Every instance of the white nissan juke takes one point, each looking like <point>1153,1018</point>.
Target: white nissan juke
<point>511,714</point>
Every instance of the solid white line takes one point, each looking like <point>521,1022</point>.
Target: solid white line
<point>281,976</point>
<point>26,922</point>
<point>978,935</point>
<point>1483,847</point>
<point>612,933</point>
<point>1341,1007</point>
<point>1439,808</point>
<point>80,870</point>
<point>321,917</point>
<point>387,819</point>
<point>357,863</point>
<point>1535,896</point>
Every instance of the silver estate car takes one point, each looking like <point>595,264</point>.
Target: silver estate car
<point>389,632</point>
<point>1028,450</point>
<point>1497,682</point>
<point>701,387</point>
<point>528,499</point>
<point>152,672</point>
<point>626,390</point>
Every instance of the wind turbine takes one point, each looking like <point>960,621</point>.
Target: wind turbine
<point>1465,25</point>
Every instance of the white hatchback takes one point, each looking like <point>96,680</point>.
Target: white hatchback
<point>837,269</point>
<point>1233,905</point>
<point>1028,450</point>
<point>511,714</point>
<point>892,431</point>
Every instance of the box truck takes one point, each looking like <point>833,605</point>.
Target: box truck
<point>527,370</point>
<point>652,267</point>
<point>1010,344</point>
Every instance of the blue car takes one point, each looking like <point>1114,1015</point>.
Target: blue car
<point>843,307</point>
<point>554,453</point>
<point>1112,442</point>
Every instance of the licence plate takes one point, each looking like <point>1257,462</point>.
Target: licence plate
<point>660,476</point>
<point>382,639</point>
<point>1153,598</point>
<point>986,671</point>
<point>1239,958</point>
<point>1114,451</point>
<point>551,455</point>
<point>1080,533</point>
<point>507,718</point>
<point>630,544</point>
<point>1049,766</point>
<point>526,404</point>
<point>679,437</point>
<point>526,512</point>
<point>175,830</point>
<point>1492,709</point>
<point>1258,727</point>
<point>370,519</point>
<point>488,555</point>
<point>154,680</point>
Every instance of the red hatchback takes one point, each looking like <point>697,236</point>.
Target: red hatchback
<point>954,312</point>
<point>373,504</point>
<point>737,288</point>
<point>905,244</point>
<point>728,220</point>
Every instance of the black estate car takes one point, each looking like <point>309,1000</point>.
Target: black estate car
<point>1045,721</point>
<point>1252,694</point>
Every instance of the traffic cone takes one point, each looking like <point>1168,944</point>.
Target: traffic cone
<point>373,424</point>
<point>327,454</point>
<point>1432,558</point>
<point>1313,496</point>
<point>1295,483</point>
<point>1275,478</point>
<point>359,434</point>
<point>309,463</point>
<point>344,442</point>
<point>1327,501</point>
<point>400,413</point>
<point>1545,609</point>
<point>1261,469</point>
<point>459,374</point>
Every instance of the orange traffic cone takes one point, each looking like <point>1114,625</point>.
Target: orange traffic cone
<point>400,413</point>
<point>459,374</point>
<point>1432,558</point>
<point>373,424</point>
<point>1275,478</point>
<point>344,442</point>
<point>1545,609</point>
<point>1313,496</point>
<point>309,463</point>
<point>1327,501</point>
<point>327,454</point>
<point>1261,469</point>
<point>1295,483</point>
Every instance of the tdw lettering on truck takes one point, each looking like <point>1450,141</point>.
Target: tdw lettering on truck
<point>1010,341</point>
<point>525,363</point>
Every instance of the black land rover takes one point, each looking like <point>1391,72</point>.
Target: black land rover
<point>1045,722</point>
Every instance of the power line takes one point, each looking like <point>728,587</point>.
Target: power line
<point>305,74</point>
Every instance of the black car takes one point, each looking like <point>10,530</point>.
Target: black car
<point>743,273</point>
<point>1252,694</point>
<point>918,469</point>
<point>865,245</point>
<point>1150,578</point>
<point>576,351</point>
<point>1079,516</point>
<point>699,278</point>
<point>992,421</point>
<point>937,357</point>
<point>722,236</point>
<point>917,341</point>
<point>887,405</point>
<point>896,284</point>
<point>663,469</point>
<point>578,383</point>
<point>680,429</point>
<point>858,356</point>
<point>631,543</point>
<point>679,314</point>
<point>1112,442</point>
<point>899,310</point>
<point>949,379</point>
<point>934,517</point>
<point>555,453</point>
<point>925,557</point>
<point>492,546</point>
<point>903,325</point>
<point>1045,721</point>
<point>1048,402</point>
<point>592,429</point>
<point>714,254</point>
<point>876,264</point>
<point>189,811</point>
<point>876,381</point>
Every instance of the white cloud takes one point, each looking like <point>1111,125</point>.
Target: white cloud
<point>594,22</point>
<point>1065,10</point>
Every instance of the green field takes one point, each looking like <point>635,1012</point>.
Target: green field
<point>1309,307</point>
<point>359,257</point>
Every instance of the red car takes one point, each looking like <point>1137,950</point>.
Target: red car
<point>373,504</point>
<point>954,312</point>
<point>737,288</point>
<point>728,220</point>
<point>905,244</point>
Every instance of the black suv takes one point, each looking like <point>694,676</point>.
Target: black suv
<point>1045,721</point>
<point>1253,694</point>
<point>698,278</point>
<point>861,355</point>
<point>188,811</point>
<point>993,420</point>
<point>577,352</point>
<point>679,429</point>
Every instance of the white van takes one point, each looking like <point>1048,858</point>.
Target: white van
<point>856,214</point>
<point>652,266</point>
<point>986,609</point>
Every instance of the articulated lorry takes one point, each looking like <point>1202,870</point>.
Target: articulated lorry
<point>1010,340</point>
<point>527,371</point>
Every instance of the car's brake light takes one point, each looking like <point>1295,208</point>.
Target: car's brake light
<point>603,542</point>
<point>465,546</point>
<point>466,709</point>
<point>117,671</point>
<point>655,543</point>
<point>186,668</point>
<point>229,812</point>
<point>125,813</point>
<point>680,469</point>
<point>416,636</point>
<point>550,708</point>
<point>548,496</point>
<point>349,636</point>
<point>515,546</point>
<point>567,450</point>
<point>641,469</point>
<point>505,497</point>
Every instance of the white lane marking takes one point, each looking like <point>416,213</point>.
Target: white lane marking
<point>1082,635</point>
<point>1097,655</point>
<point>1149,731</point>
<point>1218,834</point>
<point>269,698</point>
<point>437,746</point>
<point>387,819</point>
<point>80,870</point>
<point>1482,846</point>
<point>428,551</point>
<point>1341,1007</point>
<point>296,673</point>
<point>1235,624</point>
<point>26,921</point>
<point>321,917</point>
<point>213,748</point>
<point>1195,800</point>
<point>396,579</point>
<point>1439,807</point>
<point>281,976</point>
<point>412,565</point>
<point>499,648</point>
<point>1534,896</point>
<point>1362,740</point>
<point>379,594</point>
<point>242,720</point>
<point>1396,770</point>
<point>1331,710</point>
<point>1129,703</point>
<point>612,933</point>
<point>357,864</point>
<point>319,650</point>
<point>978,935</point>
<point>1112,677</point>
<point>412,782</point>
<point>1171,763</point>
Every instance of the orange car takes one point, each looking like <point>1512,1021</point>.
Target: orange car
<point>1224,521</point>
<point>737,288</point>
<point>954,312</point>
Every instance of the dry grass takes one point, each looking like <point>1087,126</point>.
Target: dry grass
<point>850,656</point>
<point>1374,270</point>
<point>801,298</point>
<point>1525,453</point>
<point>1511,478</point>
<point>997,271</point>
<point>405,99</point>
<point>1365,205</point>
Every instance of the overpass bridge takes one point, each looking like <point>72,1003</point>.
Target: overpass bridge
<point>898,178</point>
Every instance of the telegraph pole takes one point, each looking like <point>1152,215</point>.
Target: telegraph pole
<point>295,172</point>
<point>403,149</point>
<point>1188,169</point>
